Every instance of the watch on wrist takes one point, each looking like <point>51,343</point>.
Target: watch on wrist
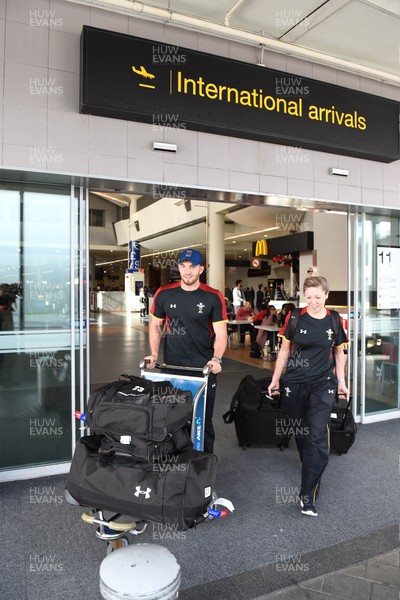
<point>217,359</point>
<point>341,380</point>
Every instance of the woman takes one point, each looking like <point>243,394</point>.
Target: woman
<point>268,320</point>
<point>286,308</point>
<point>313,377</point>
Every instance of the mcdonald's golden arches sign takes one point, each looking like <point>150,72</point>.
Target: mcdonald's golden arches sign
<point>261,248</point>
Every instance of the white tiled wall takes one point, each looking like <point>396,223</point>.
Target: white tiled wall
<point>45,131</point>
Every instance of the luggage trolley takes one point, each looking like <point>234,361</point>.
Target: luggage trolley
<point>112,530</point>
<point>197,385</point>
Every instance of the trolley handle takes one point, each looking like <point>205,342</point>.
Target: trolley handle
<point>205,371</point>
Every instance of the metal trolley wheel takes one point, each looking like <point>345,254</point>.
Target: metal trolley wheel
<point>118,543</point>
<point>112,531</point>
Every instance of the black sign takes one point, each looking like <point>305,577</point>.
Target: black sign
<point>131,78</point>
<point>287,244</point>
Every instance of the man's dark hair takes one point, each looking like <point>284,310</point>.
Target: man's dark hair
<point>238,281</point>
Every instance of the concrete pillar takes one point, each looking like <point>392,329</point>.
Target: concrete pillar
<point>216,248</point>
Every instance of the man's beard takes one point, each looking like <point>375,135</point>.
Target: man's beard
<point>190,281</point>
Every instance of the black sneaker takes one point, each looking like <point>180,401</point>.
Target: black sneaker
<point>309,510</point>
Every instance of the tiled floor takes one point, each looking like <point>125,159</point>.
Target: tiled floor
<point>375,579</point>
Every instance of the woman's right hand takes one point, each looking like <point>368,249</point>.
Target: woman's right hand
<point>273,388</point>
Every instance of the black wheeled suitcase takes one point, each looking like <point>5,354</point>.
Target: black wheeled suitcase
<point>343,428</point>
<point>259,420</point>
<point>174,491</point>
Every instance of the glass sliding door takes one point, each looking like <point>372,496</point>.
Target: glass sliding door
<point>42,333</point>
<point>375,330</point>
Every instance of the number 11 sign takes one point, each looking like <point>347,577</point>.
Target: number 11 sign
<point>388,277</point>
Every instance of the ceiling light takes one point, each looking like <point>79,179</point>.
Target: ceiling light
<point>239,235</point>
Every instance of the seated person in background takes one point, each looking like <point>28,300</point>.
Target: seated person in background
<point>246,313</point>
<point>260,315</point>
<point>269,320</point>
<point>286,308</point>
<point>229,309</point>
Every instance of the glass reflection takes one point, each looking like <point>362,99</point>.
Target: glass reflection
<point>35,326</point>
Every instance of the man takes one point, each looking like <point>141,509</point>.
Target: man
<point>238,295</point>
<point>192,318</point>
<point>246,313</point>
<point>259,297</point>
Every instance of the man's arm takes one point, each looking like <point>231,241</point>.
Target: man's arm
<point>219,346</point>
<point>155,335</point>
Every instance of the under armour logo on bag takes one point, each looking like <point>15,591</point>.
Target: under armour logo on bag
<point>303,330</point>
<point>331,391</point>
<point>330,333</point>
<point>172,305</point>
<point>287,390</point>
<point>139,491</point>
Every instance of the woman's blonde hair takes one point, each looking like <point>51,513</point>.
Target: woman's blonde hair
<point>316,281</point>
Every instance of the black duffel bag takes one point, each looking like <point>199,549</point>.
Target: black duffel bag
<point>140,407</point>
<point>175,491</point>
<point>142,449</point>
<point>259,420</point>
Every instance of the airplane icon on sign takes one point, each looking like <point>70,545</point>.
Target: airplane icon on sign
<point>142,71</point>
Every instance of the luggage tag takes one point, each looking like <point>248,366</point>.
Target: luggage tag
<point>82,417</point>
<point>214,513</point>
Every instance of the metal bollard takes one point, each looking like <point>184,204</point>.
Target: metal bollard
<point>140,571</point>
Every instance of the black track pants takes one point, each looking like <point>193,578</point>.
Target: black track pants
<point>309,406</point>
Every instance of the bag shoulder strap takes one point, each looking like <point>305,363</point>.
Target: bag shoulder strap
<point>294,322</point>
<point>229,416</point>
<point>335,318</point>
